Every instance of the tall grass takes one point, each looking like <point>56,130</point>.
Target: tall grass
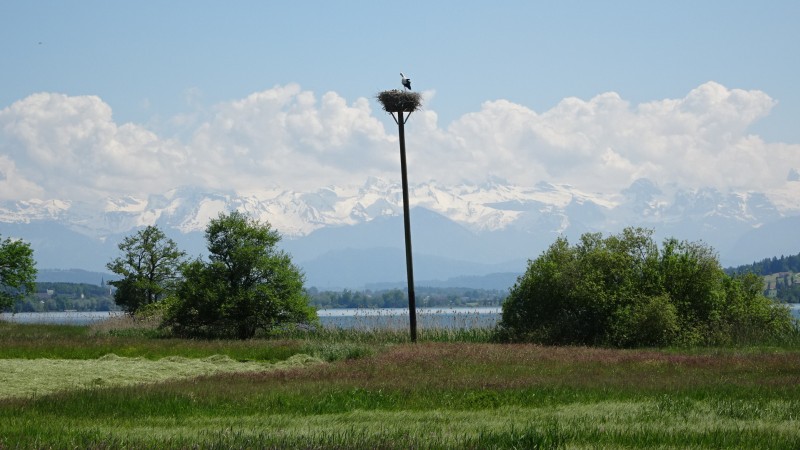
<point>442,395</point>
<point>453,389</point>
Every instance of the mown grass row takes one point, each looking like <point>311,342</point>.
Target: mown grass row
<point>28,341</point>
<point>125,337</point>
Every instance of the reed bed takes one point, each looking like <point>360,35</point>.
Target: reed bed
<point>382,327</point>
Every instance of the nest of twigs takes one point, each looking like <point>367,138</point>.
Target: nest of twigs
<point>397,101</point>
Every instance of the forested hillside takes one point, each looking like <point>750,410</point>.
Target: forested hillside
<point>781,276</point>
<point>768,266</point>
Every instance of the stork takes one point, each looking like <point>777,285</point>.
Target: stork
<point>405,81</point>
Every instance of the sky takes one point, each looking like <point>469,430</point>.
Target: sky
<point>108,99</point>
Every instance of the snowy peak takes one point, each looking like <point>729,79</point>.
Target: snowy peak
<point>491,206</point>
<point>749,207</point>
<point>27,211</point>
<point>491,223</point>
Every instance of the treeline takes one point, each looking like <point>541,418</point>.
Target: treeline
<point>426,297</point>
<point>60,296</point>
<point>768,266</point>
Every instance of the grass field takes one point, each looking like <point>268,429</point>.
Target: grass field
<point>361,390</point>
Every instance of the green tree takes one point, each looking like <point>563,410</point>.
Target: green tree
<point>149,268</point>
<point>622,291</point>
<point>747,315</point>
<point>247,285</point>
<point>694,281</point>
<point>17,271</point>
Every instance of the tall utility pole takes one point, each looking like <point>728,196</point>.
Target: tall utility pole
<point>400,102</point>
<point>412,302</point>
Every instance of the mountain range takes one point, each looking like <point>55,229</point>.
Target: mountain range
<point>350,237</point>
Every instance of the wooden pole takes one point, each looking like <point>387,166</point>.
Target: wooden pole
<point>412,307</point>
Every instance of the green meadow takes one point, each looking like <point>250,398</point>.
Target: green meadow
<point>89,387</point>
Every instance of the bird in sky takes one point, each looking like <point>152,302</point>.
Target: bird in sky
<point>406,81</point>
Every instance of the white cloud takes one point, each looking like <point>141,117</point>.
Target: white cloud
<point>70,147</point>
<point>13,185</point>
<point>605,143</point>
<point>285,136</point>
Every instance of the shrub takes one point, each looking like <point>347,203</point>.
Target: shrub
<point>623,291</point>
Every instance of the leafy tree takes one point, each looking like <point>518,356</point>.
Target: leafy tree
<point>247,285</point>
<point>746,315</point>
<point>149,267</point>
<point>622,291</point>
<point>17,271</point>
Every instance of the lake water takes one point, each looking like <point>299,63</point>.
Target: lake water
<point>332,318</point>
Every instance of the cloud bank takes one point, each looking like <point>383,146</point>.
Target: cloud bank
<point>54,146</point>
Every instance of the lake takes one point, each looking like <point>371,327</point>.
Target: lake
<point>356,318</point>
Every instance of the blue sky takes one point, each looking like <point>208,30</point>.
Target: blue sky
<point>172,69</point>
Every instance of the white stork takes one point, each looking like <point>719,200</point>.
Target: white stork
<point>406,81</point>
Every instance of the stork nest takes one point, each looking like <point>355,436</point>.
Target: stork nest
<point>397,101</point>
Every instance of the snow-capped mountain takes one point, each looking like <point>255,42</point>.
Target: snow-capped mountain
<point>473,229</point>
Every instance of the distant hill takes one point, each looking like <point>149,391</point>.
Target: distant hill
<point>73,276</point>
<point>495,281</point>
<point>781,276</point>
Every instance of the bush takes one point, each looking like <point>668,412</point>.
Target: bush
<point>623,291</point>
<point>652,322</point>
